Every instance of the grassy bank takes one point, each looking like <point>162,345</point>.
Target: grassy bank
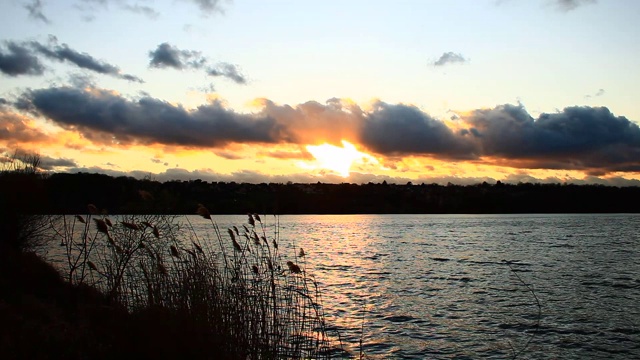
<point>148,286</point>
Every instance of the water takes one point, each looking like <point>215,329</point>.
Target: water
<point>436,286</point>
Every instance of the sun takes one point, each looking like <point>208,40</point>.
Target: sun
<point>334,158</point>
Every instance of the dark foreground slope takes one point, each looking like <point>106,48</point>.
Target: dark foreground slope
<point>44,317</point>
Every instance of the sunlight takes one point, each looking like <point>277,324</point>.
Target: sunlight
<point>334,158</point>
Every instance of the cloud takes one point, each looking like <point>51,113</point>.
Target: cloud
<point>35,11</point>
<point>166,55</point>
<point>22,59</point>
<point>581,138</point>
<point>105,117</point>
<point>315,123</point>
<point>90,7</point>
<point>450,58</point>
<point>588,139</point>
<point>158,161</point>
<point>169,56</point>
<point>599,93</point>
<point>568,5</point>
<point>15,128</point>
<point>208,6</point>
<point>83,60</point>
<point>256,177</point>
<point>18,60</point>
<point>288,155</point>
<point>229,71</point>
<point>147,11</point>
<point>229,155</point>
<point>49,163</point>
<point>404,129</point>
<point>244,176</point>
<point>81,80</point>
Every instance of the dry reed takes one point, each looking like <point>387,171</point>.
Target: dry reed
<point>236,296</point>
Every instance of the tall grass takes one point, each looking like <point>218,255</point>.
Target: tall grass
<point>235,297</point>
<point>21,196</point>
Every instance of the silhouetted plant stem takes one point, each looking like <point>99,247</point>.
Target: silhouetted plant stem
<point>517,353</point>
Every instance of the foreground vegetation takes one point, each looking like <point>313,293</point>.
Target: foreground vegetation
<point>147,286</point>
<point>138,286</point>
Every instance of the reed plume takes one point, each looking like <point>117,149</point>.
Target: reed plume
<point>92,266</point>
<point>241,305</point>
<point>174,251</point>
<point>102,226</point>
<point>295,269</point>
<point>204,212</point>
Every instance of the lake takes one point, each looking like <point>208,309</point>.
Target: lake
<point>468,286</point>
<point>436,286</point>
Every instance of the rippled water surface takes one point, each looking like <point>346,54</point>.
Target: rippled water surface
<point>436,286</point>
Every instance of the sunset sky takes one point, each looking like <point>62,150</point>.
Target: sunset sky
<point>358,91</point>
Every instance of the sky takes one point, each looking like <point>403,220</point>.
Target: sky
<point>421,91</point>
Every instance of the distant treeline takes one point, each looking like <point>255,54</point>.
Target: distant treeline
<point>70,193</point>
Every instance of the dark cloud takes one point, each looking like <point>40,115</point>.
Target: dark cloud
<point>450,58</point>
<point>35,11</point>
<point>166,55</point>
<point>568,5</point>
<point>208,6</point>
<point>589,139</point>
<point>105,117</point>
<point>83,60</point>
<point>18,60</point>
<point>229,71</point>
<point>49,163</point>
<point>169,56</point>
<point>22,59</point>
<point>579,138</point>
<point>403,129</point>
<point>158,161</point>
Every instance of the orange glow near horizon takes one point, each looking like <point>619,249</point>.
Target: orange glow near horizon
<point>334,158</point>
